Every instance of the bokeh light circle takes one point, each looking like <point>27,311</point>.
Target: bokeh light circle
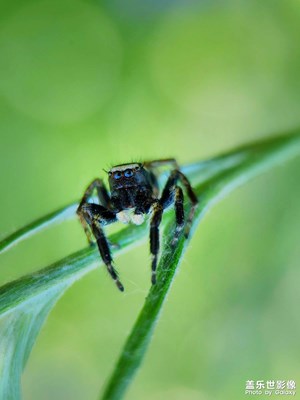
<point>59,60</point>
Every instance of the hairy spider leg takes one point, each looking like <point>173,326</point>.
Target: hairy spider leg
<point>174,193</point>
<point>179,213</point>
<point>152,167</point>
<point>154,236</point>
<point>171,193</point>
<point>171,184</point>
<point>96,217</point>
<point>161,163</point>
<point>158,209</point>
<point>167,198</point>
<point>104,200</point>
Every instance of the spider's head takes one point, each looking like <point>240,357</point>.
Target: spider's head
<point>127,175</point>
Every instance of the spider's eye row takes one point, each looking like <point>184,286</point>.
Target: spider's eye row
<point>117,175</point>
<point>128,173</point>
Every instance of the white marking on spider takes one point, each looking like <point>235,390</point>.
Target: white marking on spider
<point>127,216</point>
<point>123,217</point>
<point>137,219</point>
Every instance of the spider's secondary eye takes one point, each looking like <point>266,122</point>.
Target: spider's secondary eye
<point>128,173</point>
<point>117,175</point>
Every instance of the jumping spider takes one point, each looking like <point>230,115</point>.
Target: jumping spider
<point>134,192</point>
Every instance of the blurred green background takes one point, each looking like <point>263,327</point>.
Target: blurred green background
<point>85,85</point>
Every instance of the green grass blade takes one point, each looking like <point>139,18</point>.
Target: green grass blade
<point>256,159</point>
<point>37,226</point>
<point>19,329</point>
<point>26,302</point>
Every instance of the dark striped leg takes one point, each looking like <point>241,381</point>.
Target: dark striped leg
<point>96,217</point>
<point>179,214</point>
<point>194,200</point>
<point>154,237</point>
<point>167,198</point>
<point>105,253</point>
<point>104,200</point>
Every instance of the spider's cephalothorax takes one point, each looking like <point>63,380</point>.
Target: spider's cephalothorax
<point>134,192</point>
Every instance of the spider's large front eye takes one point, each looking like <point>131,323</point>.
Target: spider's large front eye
<point>117,175</point>
<point>128,173</point>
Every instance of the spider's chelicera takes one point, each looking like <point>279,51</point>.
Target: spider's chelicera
<point>134,193</point>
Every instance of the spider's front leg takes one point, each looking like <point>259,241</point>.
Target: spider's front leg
<point>103,198</point>
<point>96,216</point>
